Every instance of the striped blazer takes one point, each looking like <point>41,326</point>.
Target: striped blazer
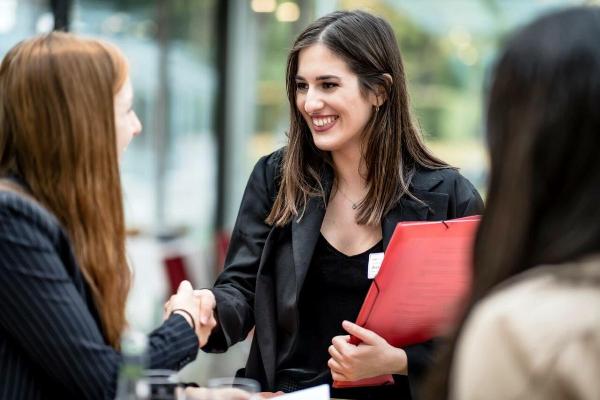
<point>51,340</point>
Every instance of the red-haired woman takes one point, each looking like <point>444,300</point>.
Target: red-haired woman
<point>65,117</point>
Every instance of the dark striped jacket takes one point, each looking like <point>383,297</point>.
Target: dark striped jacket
<point>51,340</point>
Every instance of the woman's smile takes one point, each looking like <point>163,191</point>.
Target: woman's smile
<point>323,123</point>
<point>329,97</point>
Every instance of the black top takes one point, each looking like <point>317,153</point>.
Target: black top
<point>51,340</point>
<point>334,290</point>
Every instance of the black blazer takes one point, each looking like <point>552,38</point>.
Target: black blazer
<point>265,266</point>
<point>51,340</point>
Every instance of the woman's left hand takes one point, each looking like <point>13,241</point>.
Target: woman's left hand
<point>373,357</point>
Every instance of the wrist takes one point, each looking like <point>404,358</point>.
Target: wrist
<point>187,316</point>
<point>398,362</point>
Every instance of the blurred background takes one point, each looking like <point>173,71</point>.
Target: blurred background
<point>209,89</point>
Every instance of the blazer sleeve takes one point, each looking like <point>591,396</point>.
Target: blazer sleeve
<point>45,315</point>
<point>234,288</point>
<point>463,201</point>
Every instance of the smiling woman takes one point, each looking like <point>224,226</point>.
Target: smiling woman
<point>354,166</point>
<point>330,100</point>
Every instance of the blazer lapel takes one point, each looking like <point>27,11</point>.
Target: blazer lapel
<point>305,232</point>
<point>408,209</point>
<point>264,320</point>
<point>389,224</point>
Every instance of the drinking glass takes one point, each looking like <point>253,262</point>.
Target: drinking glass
<point>230,388</point>
<point>160,384</point>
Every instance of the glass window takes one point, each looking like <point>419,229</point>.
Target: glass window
<point>448,49</point>
<point>20,19</point>
<point>169,170</point>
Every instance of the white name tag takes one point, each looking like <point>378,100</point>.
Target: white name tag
<point>375,260</point>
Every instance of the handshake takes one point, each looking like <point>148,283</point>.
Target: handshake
<point>196,306</point>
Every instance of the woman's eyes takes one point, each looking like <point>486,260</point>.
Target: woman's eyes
<point>303,86</point>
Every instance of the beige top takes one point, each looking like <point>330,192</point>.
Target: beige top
<point>536,338</point>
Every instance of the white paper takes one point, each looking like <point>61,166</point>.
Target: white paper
<point>320,392</point>
<point>375,261</point>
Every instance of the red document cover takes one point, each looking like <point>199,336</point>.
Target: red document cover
<point>423,280</point>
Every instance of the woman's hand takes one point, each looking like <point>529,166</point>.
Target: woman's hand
<point>373,357</point>
<point>194,311</point>
<point>206,306</point>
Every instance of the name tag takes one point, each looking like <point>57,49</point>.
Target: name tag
<point>375,260</point>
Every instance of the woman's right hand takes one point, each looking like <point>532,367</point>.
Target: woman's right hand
<point>206,306</point>
<point>187,300</point>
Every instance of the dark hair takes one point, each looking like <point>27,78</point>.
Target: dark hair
<point>543,127</point>
<point>393,147</point>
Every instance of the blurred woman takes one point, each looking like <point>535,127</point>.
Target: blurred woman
<point>533,328</point>
<point>65,117</point>
<point>354,166</point>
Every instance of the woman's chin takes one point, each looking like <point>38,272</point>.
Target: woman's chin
<point>325,145</point>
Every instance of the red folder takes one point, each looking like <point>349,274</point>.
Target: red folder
<point>420,287</point>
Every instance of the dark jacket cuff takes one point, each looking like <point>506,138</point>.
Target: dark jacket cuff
<point>218,342</point>
<point>180,344</point>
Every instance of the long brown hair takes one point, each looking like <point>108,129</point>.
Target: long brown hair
<point>543,135</point>
<point>57,133</point>
<point>392,145</point>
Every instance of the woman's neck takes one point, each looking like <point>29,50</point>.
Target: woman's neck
<point>350,171</point>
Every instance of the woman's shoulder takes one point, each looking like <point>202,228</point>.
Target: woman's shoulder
<point>560,283</point>
<point>463,197</point>
<point>530,313</point>
<point>271,162</point>
<point>267,170</point>
<point>24,221</point>
<point>535,337</point>
<point>439,178</point>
